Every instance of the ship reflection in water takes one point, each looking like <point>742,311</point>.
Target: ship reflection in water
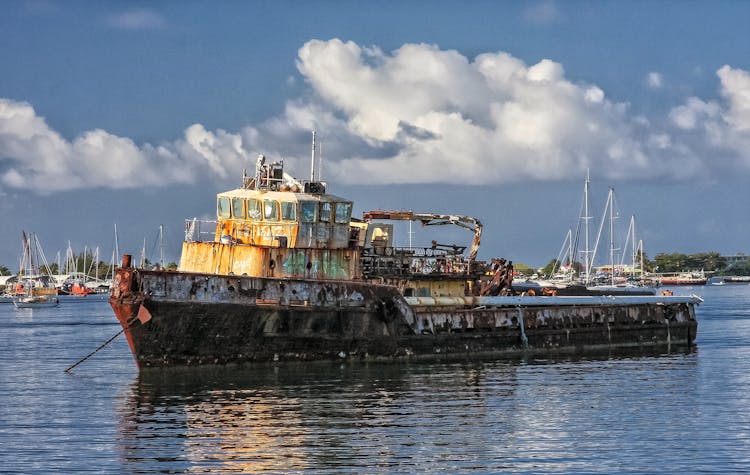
<point>306,418</point>
<point>419,417</point>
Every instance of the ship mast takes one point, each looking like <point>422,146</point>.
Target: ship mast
<point>312,159</point>
<point>143,254</point>
<point>161,246</point>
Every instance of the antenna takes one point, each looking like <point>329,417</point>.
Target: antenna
<point>312,159</point>
<point>320,160</point>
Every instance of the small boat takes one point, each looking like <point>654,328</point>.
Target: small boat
<point>33,289</point>
<point>38,301</point>
<point>684,278</point>
<point>621,289</point>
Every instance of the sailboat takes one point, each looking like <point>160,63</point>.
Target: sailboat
<point>563,279</point>
<point>33,290</point>
<point>610,285</point>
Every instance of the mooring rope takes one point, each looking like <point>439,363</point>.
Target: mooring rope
<point>130,323</point>
<point>524,340</point>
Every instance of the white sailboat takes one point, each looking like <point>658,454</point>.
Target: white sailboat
<point>613,286</point>
<point>32,291</point>
<point>563,279</point>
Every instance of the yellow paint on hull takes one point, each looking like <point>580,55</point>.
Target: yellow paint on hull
<point>278,262</point>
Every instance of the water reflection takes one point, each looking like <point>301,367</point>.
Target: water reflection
<point>388,417</point>
<point>298,418</point>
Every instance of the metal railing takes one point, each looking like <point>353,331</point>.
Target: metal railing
<point>400,261</point>
<point>197,230</point>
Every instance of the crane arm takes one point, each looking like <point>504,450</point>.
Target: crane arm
<point>430,219</point>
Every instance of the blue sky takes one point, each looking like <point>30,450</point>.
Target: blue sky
<point>138,113</point>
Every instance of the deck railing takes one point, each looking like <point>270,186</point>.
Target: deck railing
<point>401,261</point>
<point>197,230</point>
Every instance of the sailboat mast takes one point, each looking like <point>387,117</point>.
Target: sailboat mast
<point>632,244</point>
<point>95,263</point>
<point>117,246</point>
<point>586,222</point>
<point>612,235</point>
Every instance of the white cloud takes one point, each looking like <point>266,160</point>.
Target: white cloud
<point>736,89</point>
<point>490,120</point>
<point>688,115</point>
<point>137,19</point>
<point>724,126</point>
<point>418,114</point>
<point>654,80</point>
<point>34,156</point>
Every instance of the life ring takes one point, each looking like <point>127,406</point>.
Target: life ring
<point>665,293</point>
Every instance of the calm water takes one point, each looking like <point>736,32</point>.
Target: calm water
<point>684,413</point>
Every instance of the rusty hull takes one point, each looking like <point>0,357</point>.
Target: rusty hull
<point>183,318</point>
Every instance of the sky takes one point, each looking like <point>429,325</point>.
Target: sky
<point>136,114</point>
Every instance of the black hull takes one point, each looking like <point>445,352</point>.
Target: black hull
<point>581,290</point>
<point>188,334</point>
<point>176,319</point>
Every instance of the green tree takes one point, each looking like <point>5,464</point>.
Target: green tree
<point>739,268</point>
<point>676,262</point>
<point>4,270</point>
<point>712,261</point>
<point>523,269</point>
<point>547,270</point>
<point>171,266</point>
<point>52,269</point>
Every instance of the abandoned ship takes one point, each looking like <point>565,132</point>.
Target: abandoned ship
<point>286,273</point>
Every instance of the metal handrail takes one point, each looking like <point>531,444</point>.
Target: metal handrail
<point>197,230</point>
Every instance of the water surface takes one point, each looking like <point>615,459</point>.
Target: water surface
<point>687,413</point>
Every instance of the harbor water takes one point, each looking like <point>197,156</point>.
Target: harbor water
<point>673,413</point>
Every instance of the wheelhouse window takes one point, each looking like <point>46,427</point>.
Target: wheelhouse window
<point>307,211</point>
<point>222,207</point>
<point>238,208</point>
<point>288,211</point>
<point>343,213</point>
<point>325,212</point>
<point>254,209</point>
<point>270,210</point>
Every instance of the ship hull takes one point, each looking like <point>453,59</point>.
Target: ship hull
<point>179,318</point>
<point>686,282</point>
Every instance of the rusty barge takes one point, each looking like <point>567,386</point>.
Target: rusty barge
<point>286,273</point>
